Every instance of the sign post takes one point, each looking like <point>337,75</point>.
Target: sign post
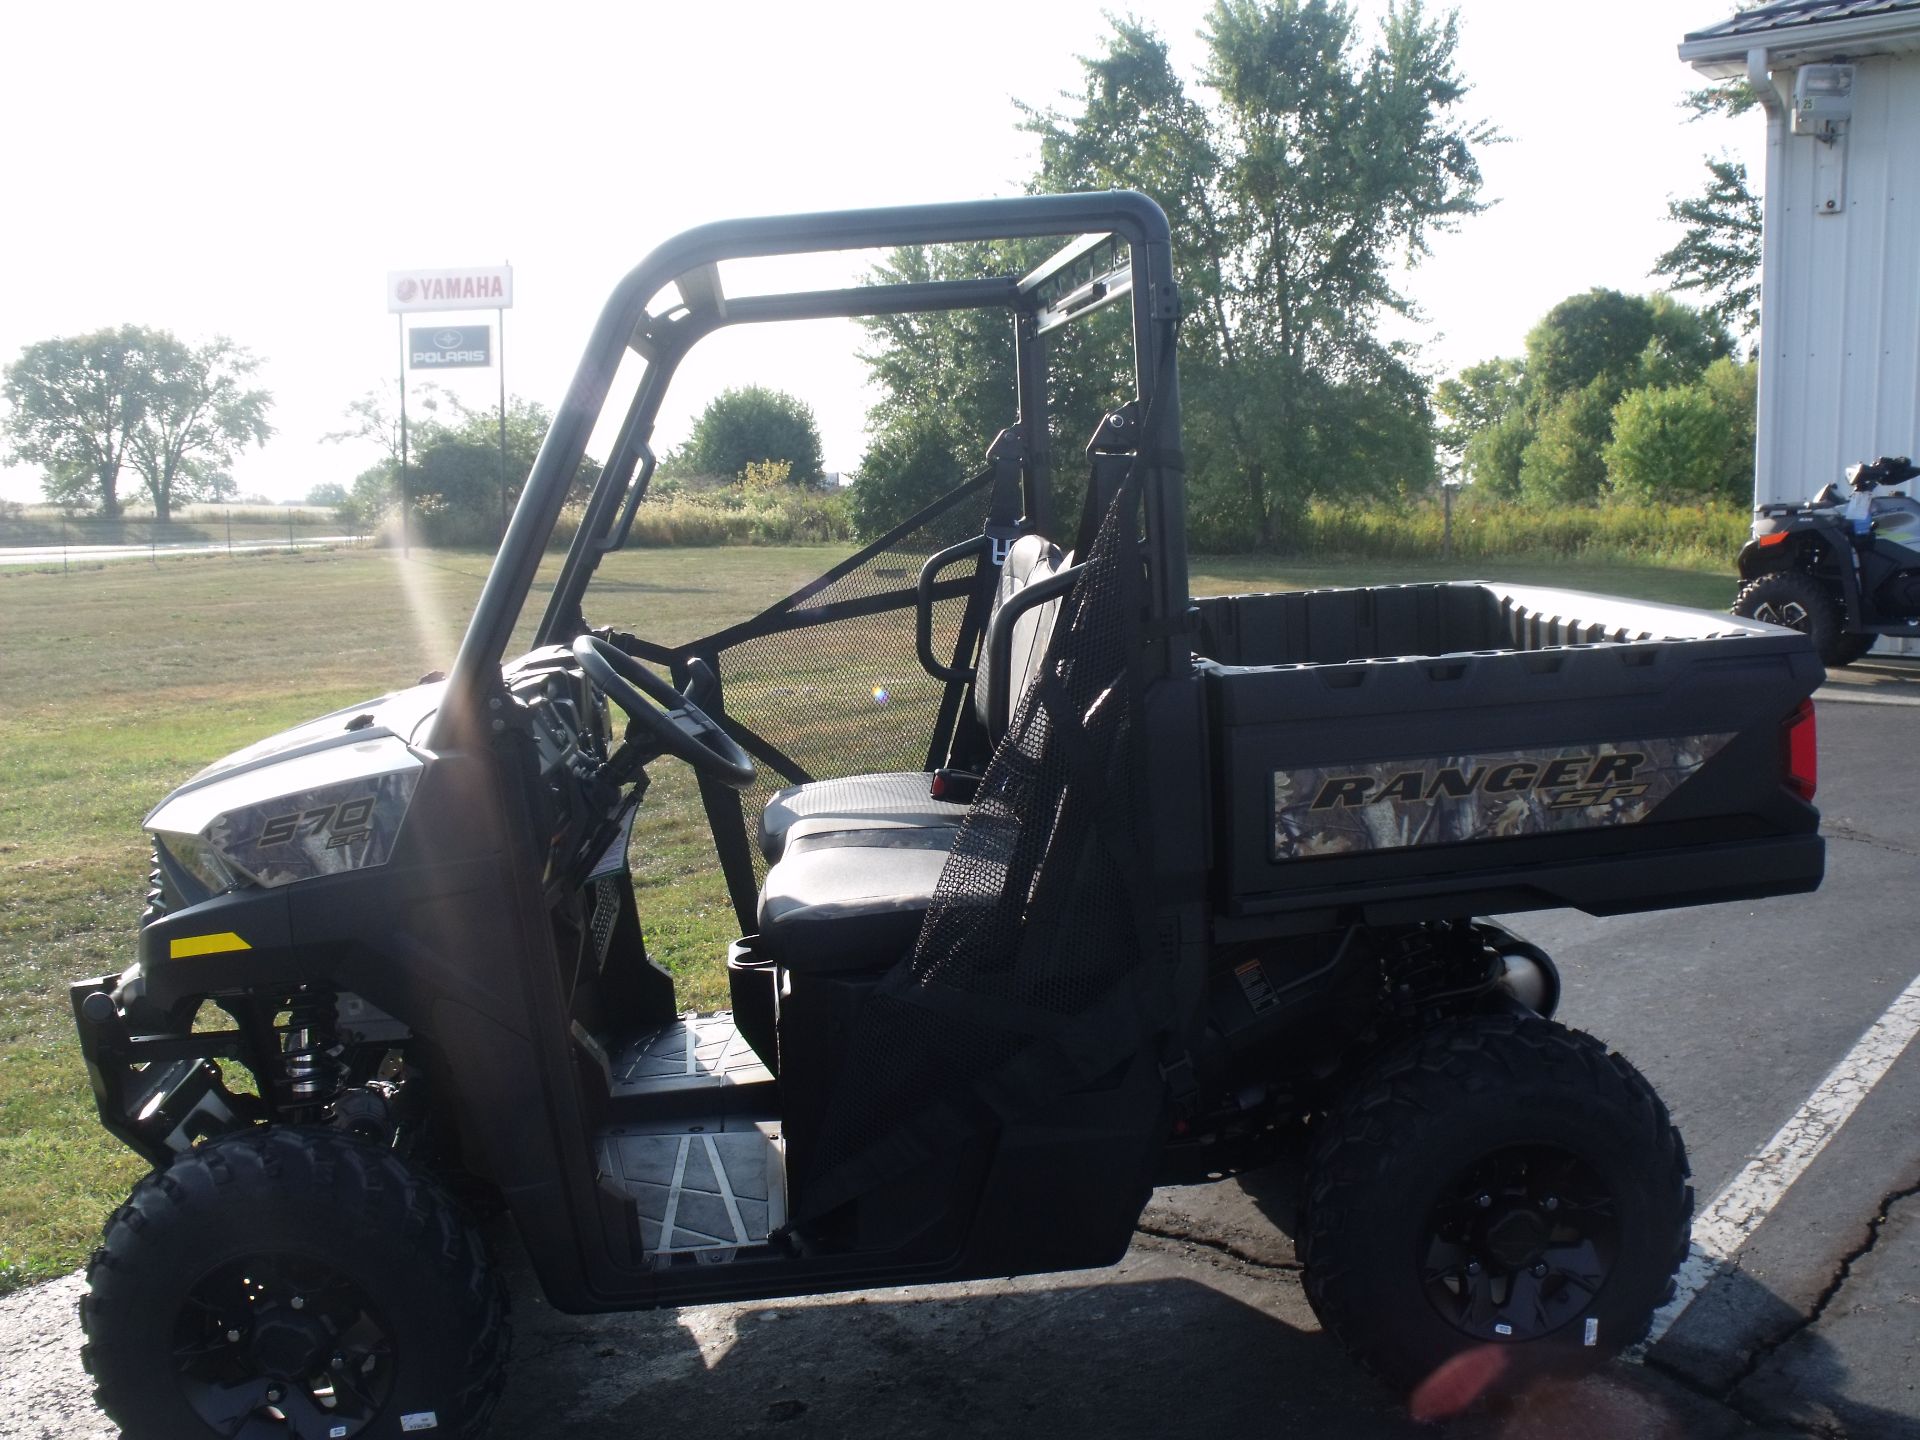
<point>500,317</point>
<point>406,550</point>
<point>450,347</point>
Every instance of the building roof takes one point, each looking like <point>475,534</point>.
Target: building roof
<point>1797,31</point>
<point>1794,14</point>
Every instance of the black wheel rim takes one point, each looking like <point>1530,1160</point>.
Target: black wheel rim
<point>1519,1244</point>
<point>275,1346</point>
<point>1790,613</point>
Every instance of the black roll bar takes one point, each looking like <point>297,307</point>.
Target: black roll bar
<point>1125,214</point>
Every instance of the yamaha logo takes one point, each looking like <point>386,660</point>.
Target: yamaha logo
<point>485,289</point>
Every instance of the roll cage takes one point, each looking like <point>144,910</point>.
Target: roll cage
<point>1084,276</point>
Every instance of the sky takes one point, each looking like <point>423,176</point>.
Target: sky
<point>254,171</point>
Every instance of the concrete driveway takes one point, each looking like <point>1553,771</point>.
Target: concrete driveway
<point>1744,1017</point>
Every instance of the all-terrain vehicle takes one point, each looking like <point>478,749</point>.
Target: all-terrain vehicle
<point>1052,883</point>
<point>1844,569</point>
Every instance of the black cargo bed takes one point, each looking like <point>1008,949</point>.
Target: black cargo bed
<point>1426,751</point>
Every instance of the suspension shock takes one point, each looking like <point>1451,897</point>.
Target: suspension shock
<point>313,1069</point>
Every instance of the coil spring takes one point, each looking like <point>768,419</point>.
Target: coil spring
<point>312,1072</point>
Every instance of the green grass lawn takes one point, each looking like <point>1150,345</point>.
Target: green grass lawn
<point>121,681</point>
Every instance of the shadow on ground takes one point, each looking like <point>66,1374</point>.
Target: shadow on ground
<point>1180,1339</point>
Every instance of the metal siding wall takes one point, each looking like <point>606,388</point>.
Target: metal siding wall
<point>1840,374</point>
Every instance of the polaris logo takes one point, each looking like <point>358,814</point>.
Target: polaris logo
<point>1570,782</point>
<point>450,347</point>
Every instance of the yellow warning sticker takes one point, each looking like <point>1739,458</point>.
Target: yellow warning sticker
<point>189,945</point>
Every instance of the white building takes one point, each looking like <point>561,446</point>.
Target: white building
<point>1840,269</point>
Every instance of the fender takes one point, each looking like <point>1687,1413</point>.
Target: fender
<point>1757,560</point>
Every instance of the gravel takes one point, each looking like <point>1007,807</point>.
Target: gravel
<point>44,1394</point>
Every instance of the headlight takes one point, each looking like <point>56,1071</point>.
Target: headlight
<point>199,859</point>
<point>319,813</point>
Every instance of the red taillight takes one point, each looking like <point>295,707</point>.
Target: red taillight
<point>1802,752</point>
<point>1778,537</point>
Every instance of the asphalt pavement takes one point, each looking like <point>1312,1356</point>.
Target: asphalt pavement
<point>1739,1014</point>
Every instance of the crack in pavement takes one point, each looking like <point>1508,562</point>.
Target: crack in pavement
<point>1771,1345</point>
<point>1860,837</point>
<point>1222,1247</point>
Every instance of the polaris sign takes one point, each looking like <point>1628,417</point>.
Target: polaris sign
<point>487,287</point>
<point>450,347</point>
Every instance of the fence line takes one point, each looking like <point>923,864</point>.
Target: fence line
<point>41,537</point>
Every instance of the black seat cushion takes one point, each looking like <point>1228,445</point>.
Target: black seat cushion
<point>902,797</point>
<point>898,798</point>
<point>850,899</point>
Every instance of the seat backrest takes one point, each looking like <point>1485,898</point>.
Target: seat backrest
<point>1031,558</point>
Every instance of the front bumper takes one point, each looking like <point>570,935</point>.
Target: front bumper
<point>158,1088</point>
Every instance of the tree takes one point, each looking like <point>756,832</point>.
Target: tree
<point>454,470</point>
<point>913,460</point>
<point>1486,423</point>
<point>198,416</point>
<point>1315,170</point>
<point>73,406</point>
<point>1719,252</point>
<point>1601,333</point>
<point>1734,388</point>
<point>1495,455</point>
<point>329,492</point>
<point>1667,441</point>
<point>1538,428</point>
<point>1479,396</point>
<point>456,483</point>
<point>374,418</point>
<point>1564,464</point>
<point>755,423</point>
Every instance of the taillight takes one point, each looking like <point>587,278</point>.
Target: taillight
<point>1801,752</point>
<point>1778,537</point>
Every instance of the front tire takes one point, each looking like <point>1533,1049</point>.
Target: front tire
<point>1798,601</point>
<point>293,1283</point>
<point>1497,1199</point>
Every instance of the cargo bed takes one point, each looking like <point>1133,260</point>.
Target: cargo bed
<point>1411,752</point>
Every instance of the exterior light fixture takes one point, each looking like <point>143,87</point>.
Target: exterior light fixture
<point>1822,100</point>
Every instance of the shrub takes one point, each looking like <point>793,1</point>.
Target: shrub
<point>1562,464</point>
<point>1667,442</point>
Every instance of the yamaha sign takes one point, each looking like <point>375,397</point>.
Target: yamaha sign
<point>487,287</point>
<point>450,347</point>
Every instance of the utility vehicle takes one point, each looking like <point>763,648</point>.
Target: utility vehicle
<point>1052,883</point>
<point>1846,570</point>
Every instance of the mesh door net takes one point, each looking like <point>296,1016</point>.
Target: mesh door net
<point>1033,974</point>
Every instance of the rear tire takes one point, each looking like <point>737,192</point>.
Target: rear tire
<point>1498,1199</point>
<point>295,1282</point>
<point>1796,600</point>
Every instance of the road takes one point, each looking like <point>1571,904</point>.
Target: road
<point>1738,1014</point>
<point>45,555</point>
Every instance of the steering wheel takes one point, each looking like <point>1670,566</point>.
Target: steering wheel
<point>684,730</point>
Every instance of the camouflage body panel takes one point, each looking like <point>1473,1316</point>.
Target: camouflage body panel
<point>1448,800</point>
